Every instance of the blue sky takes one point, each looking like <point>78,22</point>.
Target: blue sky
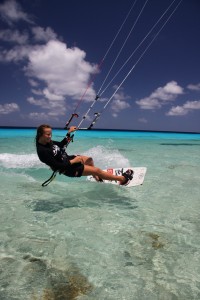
<point>51,54</point>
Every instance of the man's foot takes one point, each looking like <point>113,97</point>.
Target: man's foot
<point>98,179</point>
<point>128,175</point>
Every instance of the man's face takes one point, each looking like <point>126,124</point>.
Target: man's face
<point>47,134</point>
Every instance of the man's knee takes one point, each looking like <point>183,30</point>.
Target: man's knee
<point>90,161</point>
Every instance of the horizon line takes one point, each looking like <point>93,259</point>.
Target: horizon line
<point>102,129</point>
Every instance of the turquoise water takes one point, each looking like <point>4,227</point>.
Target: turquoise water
<point>80,240</point>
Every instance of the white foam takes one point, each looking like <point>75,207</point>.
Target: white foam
<point>21,161</point>
<point>103,158</point>
<point>107,158</point>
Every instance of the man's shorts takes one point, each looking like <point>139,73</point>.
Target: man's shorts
<point>75,170</point>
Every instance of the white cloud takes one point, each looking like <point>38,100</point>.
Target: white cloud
<point>48,116</point>
<point>56,113</point>
<point>142,120</point>
<point>52,96</point>
<point>64,70</point>
<point>177,111</point>
<point>37,92</point>
<point>57,74</point>
<point>119,103</point>
<point>38,116</point>
<point>148,103</point>
<point>184,109</point>
<point>54,108</point>
<point>44,117</point>
<point>8,108</point>
<point>12,12</point>
<point>38,102</point>
<point>14,36</point>
<point>161,96</point>
<point>172,88</point>
<point>15,54</point>
<point>33,83</point>
<point>192,105</point>
<point>194,87</point>
<point>43,35</point>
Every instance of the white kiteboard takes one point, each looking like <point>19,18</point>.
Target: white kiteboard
<point>138,176</point>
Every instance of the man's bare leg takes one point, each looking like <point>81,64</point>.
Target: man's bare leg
<point>94,171</point>
<point>88,161</point>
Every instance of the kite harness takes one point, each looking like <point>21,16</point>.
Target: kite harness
<point>70,138</point>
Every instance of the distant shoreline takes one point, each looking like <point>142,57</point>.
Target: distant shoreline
<point>103,129</point>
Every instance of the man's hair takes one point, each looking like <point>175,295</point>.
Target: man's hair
<point>40,131</point>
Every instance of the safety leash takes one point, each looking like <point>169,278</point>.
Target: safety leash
<point>50,179</point>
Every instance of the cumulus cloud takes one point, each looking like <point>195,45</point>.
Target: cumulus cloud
<point>52,96</point>
<point>64,70</point>
<point>177,111</point>
<point>38,102</point>
<point>194,87</point>
<point>23,42</point>
<point>8,108</point>
<point>16,54</point>
<point>184,109</point>
<point>38,116</point>
<point>119,103</point>
<point>149,103</point>
<point>33,83</point>
<point>54,110</point>
<point>142,120</point>
<point>14,36</point>
<point>57,106</point>
<point>11,12</point>
<point>161,96</point>
<point>57,71</point>
<point>37,92</point>
<point>41,34</point>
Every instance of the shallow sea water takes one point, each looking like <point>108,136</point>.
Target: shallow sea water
<point>80,240</point>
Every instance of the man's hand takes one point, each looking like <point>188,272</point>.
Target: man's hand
<point>72,129</point>
<point>77,159</point>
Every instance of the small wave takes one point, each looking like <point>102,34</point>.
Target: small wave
<point>103,158</point>
<point>107,158</point>
<point>20,176</point>
<point>19,161</point>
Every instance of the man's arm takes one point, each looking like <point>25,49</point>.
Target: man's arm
<point>47,158</point>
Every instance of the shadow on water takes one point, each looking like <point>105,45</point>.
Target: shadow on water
<point>51,206</point>
<point>98,197</point>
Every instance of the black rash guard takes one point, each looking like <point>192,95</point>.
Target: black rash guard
<point>53,154</point>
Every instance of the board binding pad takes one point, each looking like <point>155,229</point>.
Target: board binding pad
<point>138,176</point>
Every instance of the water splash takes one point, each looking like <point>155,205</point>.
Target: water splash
<point>19,161</point>
<point>105,157</point>
<point>102,156</point>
